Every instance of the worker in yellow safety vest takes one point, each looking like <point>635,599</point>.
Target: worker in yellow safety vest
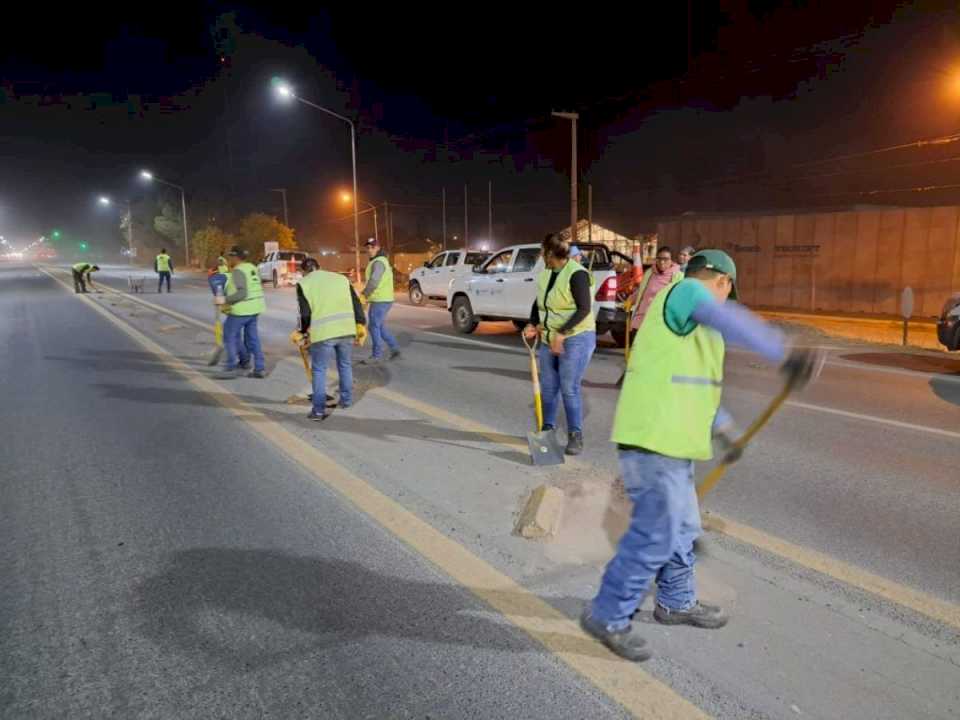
<point>81,276</point>
<point>331,322</point>
<point>378,292</point>
<point>163,264</point>
<point>667,417</point>
<point>244,303</point>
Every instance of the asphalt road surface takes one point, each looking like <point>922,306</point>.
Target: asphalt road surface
<point>171,547</point>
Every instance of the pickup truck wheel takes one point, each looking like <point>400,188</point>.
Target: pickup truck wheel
<point>519,324</point>
<point>416,294</point>
<point>464,321</point>
<point>276,280</point>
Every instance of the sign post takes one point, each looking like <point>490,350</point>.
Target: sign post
<point>906,310</point>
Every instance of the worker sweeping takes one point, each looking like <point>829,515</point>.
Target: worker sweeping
<point>378,292</point>
<point>81,276</point>
<point>244,304</point>
<point>666,417</point>
<point>331,322</point>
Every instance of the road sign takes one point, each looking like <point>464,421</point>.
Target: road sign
<point>906,303</point>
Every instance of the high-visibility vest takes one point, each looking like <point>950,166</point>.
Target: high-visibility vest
<point>559,305</point>
<point>163,262</point>
<point>82,267</point>
<point>254,303</point>
<point>672,388</point>
<point>331,305</point>
<point>383,291</point>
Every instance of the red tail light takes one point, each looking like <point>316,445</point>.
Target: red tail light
<point>608,290</point>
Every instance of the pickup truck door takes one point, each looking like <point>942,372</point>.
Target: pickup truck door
<point>520,286</point>
<point>431,275</point>
<point>486,289</point>
<point>266,267</point>
<point>450,268</point>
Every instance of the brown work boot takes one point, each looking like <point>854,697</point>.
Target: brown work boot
<point>626,643</point>
<point>700,615</point>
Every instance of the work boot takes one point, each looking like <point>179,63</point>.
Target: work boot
<point>546,428</point>
<point>626,643</point>
<point>700,615</point>
<point>318,417</point>
<point>258,374</point>
<point>574,443</point>
<point>231,374</point>
<point>372,361</point>
<point>394,354</point>
<point>244,364</point>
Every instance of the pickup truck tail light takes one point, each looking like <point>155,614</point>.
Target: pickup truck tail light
<point>607,292</point>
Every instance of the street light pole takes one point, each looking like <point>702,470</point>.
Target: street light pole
<point>572,117</point>
<point>146,175</point>
<point>283,192</point>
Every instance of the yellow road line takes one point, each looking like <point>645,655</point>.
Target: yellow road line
<point>624,682</point>
<point>923,603</point>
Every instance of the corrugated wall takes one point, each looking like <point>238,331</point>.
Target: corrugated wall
<point>854,261</point>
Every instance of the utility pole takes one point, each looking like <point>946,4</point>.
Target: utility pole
<point>283,192</point>
<point>388,227</point>
<point>572,117</point>
<point>443,221</point>
<point>589,213</point>
<point>490,213</point>
<point>466,221</point>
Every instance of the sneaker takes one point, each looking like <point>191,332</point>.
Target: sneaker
<point>244,365</point>
<point>574,443</point>
<point>345,406</point>
<point>394,354</point>
<point>626,643</point>
<point>545,428</point>
<point>700,615</point>
<point>258,374</point>
<point>314,415</point>
<point>231,374</point>
<point>372,361</point>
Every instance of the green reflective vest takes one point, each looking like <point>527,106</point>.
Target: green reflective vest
<point>331,305</point>
<point>163,262</point>
<point>559,306</point>
<point>254,303</point>
<point>384,291</point>
<point>223,269</point>
<point>82,267</point>
<point>672,388</point>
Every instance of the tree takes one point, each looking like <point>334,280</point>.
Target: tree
<point>169,224</point>
<point>209,243</point>
<point>258,228</point>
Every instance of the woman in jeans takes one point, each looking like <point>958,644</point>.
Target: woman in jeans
<point>563,317</point>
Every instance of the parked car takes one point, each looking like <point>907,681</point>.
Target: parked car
<point>948,326</point>
<point>282,267</point>
<point>504,288</point>
<point>433,279</point>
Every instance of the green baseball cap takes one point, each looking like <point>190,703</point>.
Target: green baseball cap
<point>718,261</point>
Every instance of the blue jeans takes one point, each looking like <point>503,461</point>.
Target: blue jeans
<point>378,328</point>
<point>320,355</point>
<point>561,375</point>
<point>239,351</point>
<point>659,542</point>
<point>164,275</point>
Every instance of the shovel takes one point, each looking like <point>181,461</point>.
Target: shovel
<point>217,338</point>
<point>544,447</point>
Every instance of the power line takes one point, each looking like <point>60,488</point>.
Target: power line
<point>919,188</point>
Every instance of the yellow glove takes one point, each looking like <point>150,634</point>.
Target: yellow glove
<point>297,337</point>
<point>361,335</point>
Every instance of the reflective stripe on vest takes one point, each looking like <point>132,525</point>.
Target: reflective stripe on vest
<point>672,388</point>
<point>163,263</point>
<point>383,291</point>
<point>560,305</point>
<point>331,305</point>
<point>254,303</point>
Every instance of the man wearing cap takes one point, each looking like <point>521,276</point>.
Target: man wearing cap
<point>683,257</point>
<point>379,295</point>
<point>331,322</point>
<point>244,303</point>
<point>667,417</point>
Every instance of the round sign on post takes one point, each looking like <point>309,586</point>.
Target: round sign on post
<point>906,310</point>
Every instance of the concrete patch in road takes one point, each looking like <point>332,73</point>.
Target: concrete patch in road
<point>540,516</point>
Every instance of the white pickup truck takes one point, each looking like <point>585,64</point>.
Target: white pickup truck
<point>433,279</point>
<point>505,287</point>
<point>281,267</point>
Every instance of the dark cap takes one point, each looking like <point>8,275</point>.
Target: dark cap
<point>716,260</point>
<point>309,265</point>
<point>237,251</point>
<point>371,242</point>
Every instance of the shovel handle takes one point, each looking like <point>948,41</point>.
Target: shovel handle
<point>535,377</point>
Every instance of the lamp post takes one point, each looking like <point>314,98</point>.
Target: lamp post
<point>285,91</point>
<point>150,177</point>
<point>105,200</point>
<point>283,192</point>
<point>376,232</point>
<point>572,117</point>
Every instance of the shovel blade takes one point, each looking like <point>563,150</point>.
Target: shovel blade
<point>545,448</point>
<point>215,356</point>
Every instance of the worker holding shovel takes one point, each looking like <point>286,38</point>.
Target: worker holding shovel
<point>667,415</point>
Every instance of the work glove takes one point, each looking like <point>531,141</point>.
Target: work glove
<point>801,367</point>
<point>727,445</point>
<point>361,335</point>
<point>299,339</point>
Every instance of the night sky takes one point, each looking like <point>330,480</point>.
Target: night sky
<point>715,111</point>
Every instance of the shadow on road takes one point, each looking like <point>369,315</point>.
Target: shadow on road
<point>248,609</point>
<point>908,361</point>
<point>946,390</point>
<point>524,375</point>
<point>469,348</point>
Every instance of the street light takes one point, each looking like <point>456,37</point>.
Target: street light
<point>150,177</point>
<point>346,197</point>
<point>106,201</point>
<point>572,117</point>
<point>285,91</point>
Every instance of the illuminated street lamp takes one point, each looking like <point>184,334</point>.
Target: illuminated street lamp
<point>107,202</point>
<point>150,177</point>
<point>285,92</point>
<point>347,197</point>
